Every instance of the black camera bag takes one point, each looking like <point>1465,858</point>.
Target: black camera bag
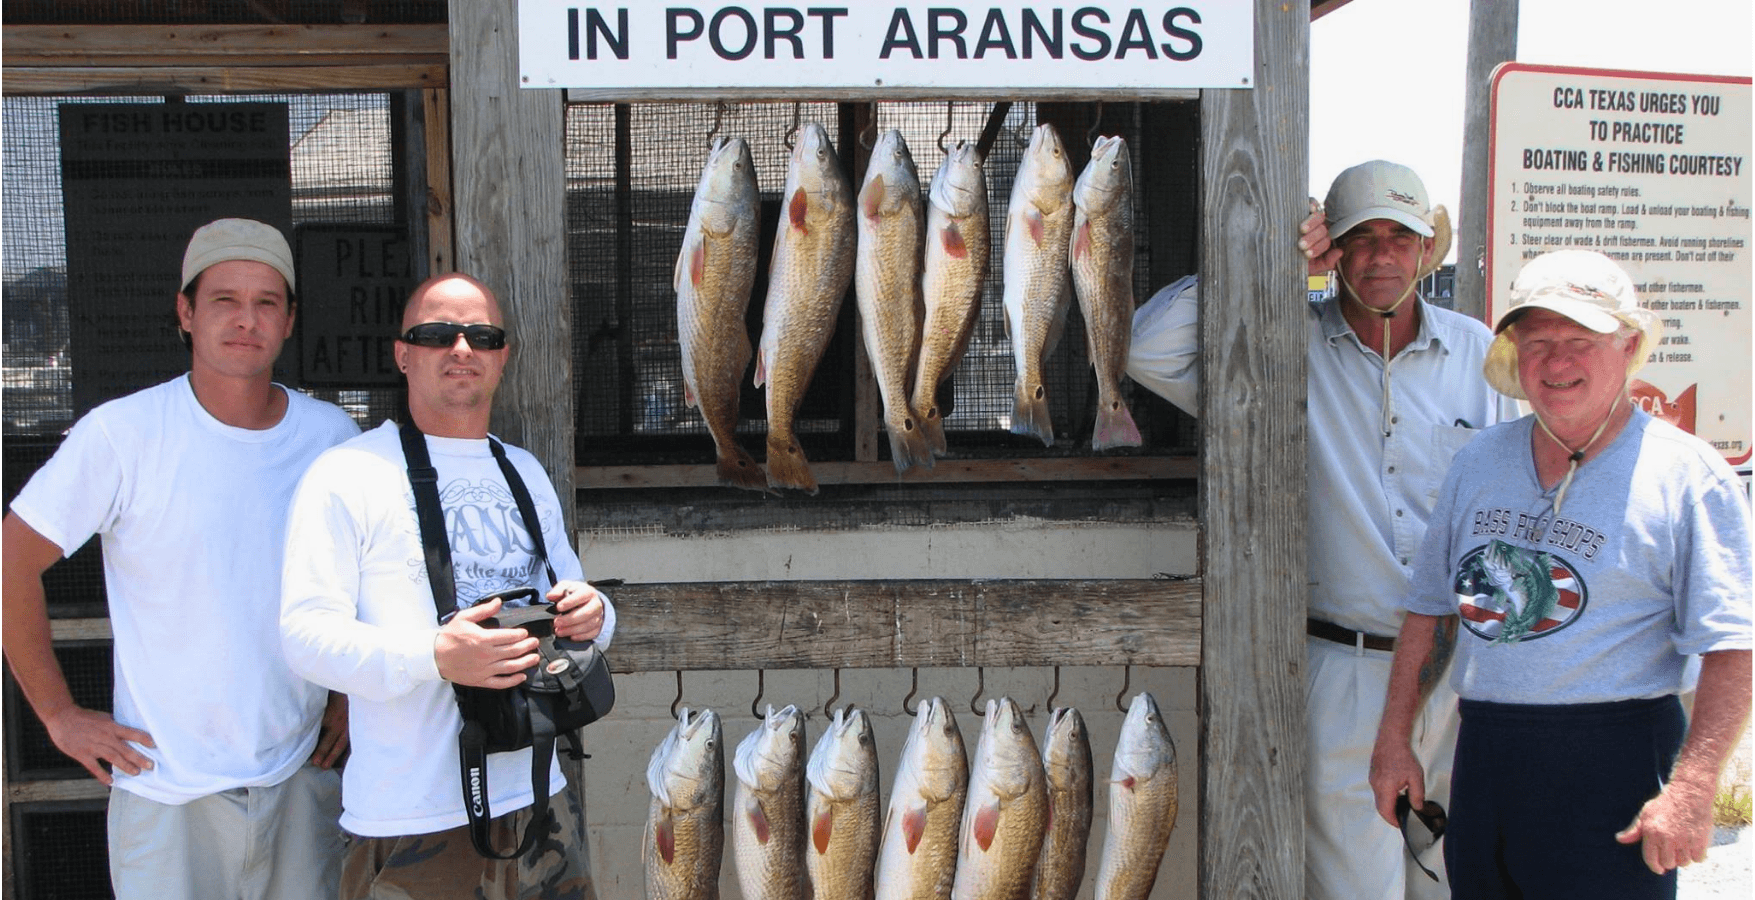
<point>571,681</point>
<point>568,688</point>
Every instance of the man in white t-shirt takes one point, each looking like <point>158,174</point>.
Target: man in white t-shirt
<point>219,758</point>
<point>358,615</point>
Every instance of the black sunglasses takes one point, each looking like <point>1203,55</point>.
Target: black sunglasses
<point>444,335</point>
<point>1430,815</point>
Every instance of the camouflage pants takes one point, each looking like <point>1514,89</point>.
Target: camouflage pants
<point>445,865</point>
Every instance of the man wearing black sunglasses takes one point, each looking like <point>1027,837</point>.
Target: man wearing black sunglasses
<point>358,615</point>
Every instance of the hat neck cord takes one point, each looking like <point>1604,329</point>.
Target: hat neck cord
<point>1574,458</point>
<point>1385,314</point>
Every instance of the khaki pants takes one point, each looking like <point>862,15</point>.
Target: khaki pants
<point>1349,852</point>
<point>445,864</point>
<point>263,842</point>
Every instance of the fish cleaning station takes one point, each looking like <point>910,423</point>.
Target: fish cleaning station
<point>559,151</point>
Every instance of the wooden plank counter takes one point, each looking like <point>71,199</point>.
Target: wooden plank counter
<point>899,624</point>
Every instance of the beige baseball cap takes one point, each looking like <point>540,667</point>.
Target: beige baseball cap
<point>1379,189</point>
<point>1582,285</point>
<point>224,240</point>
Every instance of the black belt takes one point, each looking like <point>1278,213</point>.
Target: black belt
<point>1329,631</point>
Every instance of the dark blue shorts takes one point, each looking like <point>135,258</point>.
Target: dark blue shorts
<point>1538,793</point>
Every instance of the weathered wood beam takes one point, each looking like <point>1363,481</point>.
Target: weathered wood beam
<point>229,79</point>
<point>891,624</point>
<point>1255,173</point>
<point>507,176</point>
<point>945,470</point>
<point>1492,40</point>
<point>56,790</point>
<point>244,45</point>
<point>441,256</point>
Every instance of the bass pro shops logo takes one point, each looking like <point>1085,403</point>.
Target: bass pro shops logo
<point>1507,594</point>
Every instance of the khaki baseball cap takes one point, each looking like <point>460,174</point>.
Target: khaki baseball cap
<point>1384,190</point>
<point>1582,285</point>
<point>224,240</point>
<point>1378,190</point>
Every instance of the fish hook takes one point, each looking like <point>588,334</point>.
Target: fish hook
<point>761,687</point>
<point>718,119</point>
<point>913,688</point>
<point>678,701</point>
<point>792,133</point>
<point>1056,692</point>
<point>980,688</point>
<point>1126,681</point>
<point>868,137</point>
<point>829,707</point>
<point>1096,123</point>
<point>950,115</point>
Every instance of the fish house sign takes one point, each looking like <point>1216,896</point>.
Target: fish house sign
<point>882,50</point>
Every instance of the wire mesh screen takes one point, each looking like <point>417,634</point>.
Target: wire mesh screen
<point>631,174</point>
<point>59,850</point>
<point>29,752</point>
<point>222,12</point>
<point>342,172</point>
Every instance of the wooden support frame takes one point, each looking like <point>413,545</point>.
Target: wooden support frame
<point>510,223</point>
<point>950,470</point>
<point>1247,641</point>
<point>196,59</point>
<point>1255,172</point>
<point>1492,40</point>
<point>898,624</point>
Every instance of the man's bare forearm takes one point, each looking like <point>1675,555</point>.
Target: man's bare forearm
<point>1721,710</point>
<point>1437,660</point>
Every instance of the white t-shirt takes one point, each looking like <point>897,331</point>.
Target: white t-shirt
<point>192,514</point>
<point>357,616</point>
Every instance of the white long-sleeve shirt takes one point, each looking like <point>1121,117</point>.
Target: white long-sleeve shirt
<point>1371,495</point>
<point>357,616</point>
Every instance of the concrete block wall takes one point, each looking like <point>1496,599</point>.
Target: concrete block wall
<point>616,795</point>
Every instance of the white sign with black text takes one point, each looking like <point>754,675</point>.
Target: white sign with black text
<point>887,48</point>
<point>1652,170</point>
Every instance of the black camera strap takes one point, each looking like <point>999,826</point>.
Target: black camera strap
<point>472,740</point>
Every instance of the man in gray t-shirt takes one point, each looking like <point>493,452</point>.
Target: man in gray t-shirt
<point>1585,551</point>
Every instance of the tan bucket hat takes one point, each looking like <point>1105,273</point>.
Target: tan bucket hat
<point>1582,285</point>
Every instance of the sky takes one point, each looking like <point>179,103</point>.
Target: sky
<point>1386,76</point>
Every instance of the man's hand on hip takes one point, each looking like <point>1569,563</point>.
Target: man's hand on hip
<point>93,738</point>
<point>471,655</point>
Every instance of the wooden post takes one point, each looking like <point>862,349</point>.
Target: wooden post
<point>1492,40</point>
<point>511,228</point>
<point>1255,173</point>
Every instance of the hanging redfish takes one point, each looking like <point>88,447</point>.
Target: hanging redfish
<point>813,263</point>
<point>714,273</point>
<point>886,281</point>
<point>1102,275</point>
<point>1038,224</point>
<point>951,278</point>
